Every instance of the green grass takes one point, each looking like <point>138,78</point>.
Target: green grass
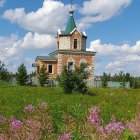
<point>121,103</point>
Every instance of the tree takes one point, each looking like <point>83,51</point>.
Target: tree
<point>21,75</point>
<point>105,78</point>
<point>4,74</point>
<point>74,81</point>
<point>43,76</point>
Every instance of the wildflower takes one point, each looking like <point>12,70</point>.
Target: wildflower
<point>42,105</point>
<point>1,119</point>
<point>94,115</point>
<point>29,108</point>
<point>2,137</point>
<point>117,127</point>
<point>66,136</point>
<point>94,118</point>
<point>15,124</point>
<point>94,110</point>
<point>102,129</point>
<point>134,126</point>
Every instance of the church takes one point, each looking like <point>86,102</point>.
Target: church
<point>70,51</point>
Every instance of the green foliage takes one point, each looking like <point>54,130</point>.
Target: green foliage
<point>4,74</point>
<point>3,83</point>
<point>21,75</point>
<point>43,76</point>
<point>135,82</point>
<point>74,81</point>
<point>66,108</point>
<point>105,78</point>
<point>122,78</point>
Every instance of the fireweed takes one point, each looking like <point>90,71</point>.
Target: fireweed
<point>29,108</point>
<point>2,119</point>
<point>66,136</point>
<point>39,125</point>
<point>134,126</point>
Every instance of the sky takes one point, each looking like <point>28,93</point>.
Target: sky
<point>28,29</point>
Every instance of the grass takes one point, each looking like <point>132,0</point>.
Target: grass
<point>121,103</point>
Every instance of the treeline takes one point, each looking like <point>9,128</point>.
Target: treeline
<point>122,78</point>
<point>21,76</point>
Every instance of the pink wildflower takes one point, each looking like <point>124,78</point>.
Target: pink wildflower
<point>2,137</point>
<point>15,124</point>
<point>66,136</point>
<point>42,105</point>
<point>94,115</point>
<point>117,127</point>
<point>102,129</point>
<point>1,119</point>
<point>94,118</point>
<point>29,108</point>
<point>94,110</point>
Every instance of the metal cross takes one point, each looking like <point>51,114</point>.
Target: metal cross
<point>71,1</point>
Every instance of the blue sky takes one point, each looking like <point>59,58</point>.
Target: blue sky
<point>27,29</point>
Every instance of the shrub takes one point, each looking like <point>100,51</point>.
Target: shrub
<point>21,75</point>
<point>43,76</point>
<point>74,81</point>
<point>4,74</point>
<point>3,83</point>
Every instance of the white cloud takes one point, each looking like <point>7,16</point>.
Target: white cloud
<point>13,49</point>
<point>2,2</point>
<point>8,47</point>
<point>38,41</point>
<point>101,10</point>
<point>53,14</point>
<point>47,19</point>
<point>113,58</point>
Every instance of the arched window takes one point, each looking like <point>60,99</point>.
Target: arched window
<point>70,64</point>
<point>75,44</point>
<point>83,61</point>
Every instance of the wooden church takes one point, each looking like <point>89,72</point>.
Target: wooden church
<point>70,52</point>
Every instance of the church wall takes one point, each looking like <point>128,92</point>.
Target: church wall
<point>77,59</point>
<point>83,44</point>
<point>64,43</point>
<point>46,63</point>
<point>75,35</point>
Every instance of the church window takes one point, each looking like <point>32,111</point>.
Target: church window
<point>75,43</point>
<point>70,66</point>
<point>50,68</point>
<point>58,44</point>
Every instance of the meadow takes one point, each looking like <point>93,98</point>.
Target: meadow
<point>121,103</point>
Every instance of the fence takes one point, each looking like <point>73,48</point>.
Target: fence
<point>90,83</point>
<point>110,84</point>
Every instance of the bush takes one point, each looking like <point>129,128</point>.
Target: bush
<point>3,83</point>
<point>21,75</point>
<point>4,74</point>
<point>74,81</point>
<point>43,76</point>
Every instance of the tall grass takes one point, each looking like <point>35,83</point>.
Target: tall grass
<point>120,103</point>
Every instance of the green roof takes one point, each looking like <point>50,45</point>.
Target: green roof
<point>73,52</point>
<point>35,65</point>
<point>47,58</point>
<point>70,25</point>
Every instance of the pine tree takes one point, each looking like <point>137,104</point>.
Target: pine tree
<point>4,74</point>
<point>43,76</point>
<point>21,75</point>
<point>74,81</point>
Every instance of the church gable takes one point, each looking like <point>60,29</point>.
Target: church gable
<point>75,40</point>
